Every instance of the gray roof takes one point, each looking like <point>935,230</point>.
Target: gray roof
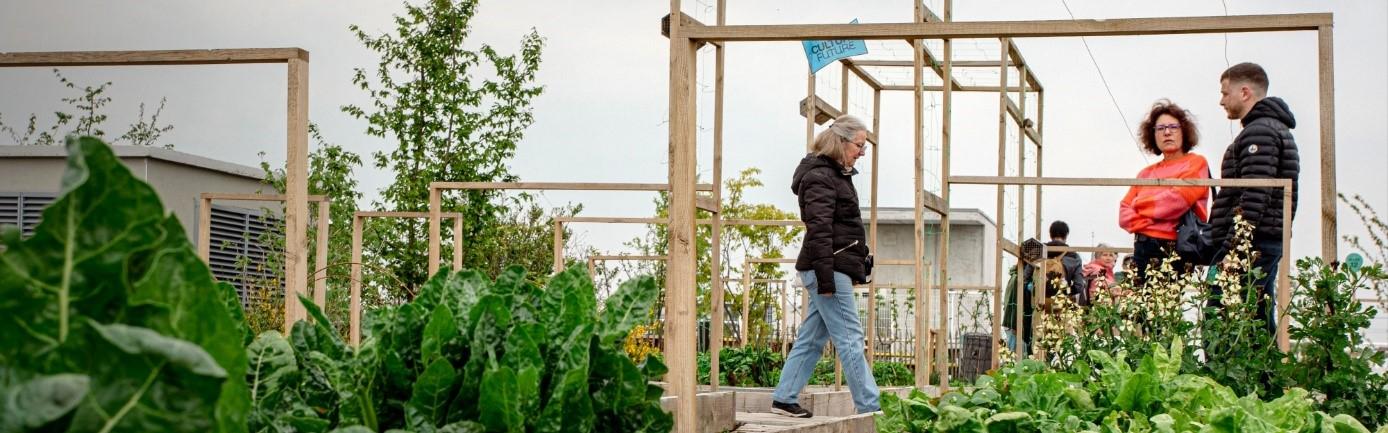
<point>158,153</point>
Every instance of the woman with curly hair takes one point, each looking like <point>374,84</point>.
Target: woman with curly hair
<point>1152,213</point>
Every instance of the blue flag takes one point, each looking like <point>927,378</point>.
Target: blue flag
<point>821,53</point>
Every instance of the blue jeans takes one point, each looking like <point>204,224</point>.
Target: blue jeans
<point>829,317</point>
<point>1269,256</point>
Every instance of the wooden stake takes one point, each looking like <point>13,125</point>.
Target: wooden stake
<point>715,328</point>
<point>205,229</point>
<point>296,190</point>
<point>922,316</point>
<point>681,281</point>
<point>354,307</point>
<point>457,244</point>
<point>1329,231</point>
<point>746,301</point>
<point>998,228</point>
<point>558,247</point>
<point>435,227</point>
<point>872,229</point>
<point>947,104</point>
<point>320,272</point>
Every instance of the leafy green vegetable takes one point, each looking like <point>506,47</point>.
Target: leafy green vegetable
<point>108,303</point>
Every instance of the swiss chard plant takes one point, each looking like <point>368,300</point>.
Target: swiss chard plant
<point>468,355</point>
<point>110,321</point>
<point>1152,397</point>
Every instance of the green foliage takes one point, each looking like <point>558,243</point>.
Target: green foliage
<point>426,95</point>
<point>90,103</point>
<point>1332,357</point>
<point>113,323</point>
<point>468,354</point>
<point>1114,397</point>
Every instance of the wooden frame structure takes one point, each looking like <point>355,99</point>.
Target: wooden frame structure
<point>686,35</point>
<point>320,273</point>
<point>358,222</point>
<point>296,140</point>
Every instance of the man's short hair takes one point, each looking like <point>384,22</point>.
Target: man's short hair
<point>1249,73</point>
<point>1060,229</point>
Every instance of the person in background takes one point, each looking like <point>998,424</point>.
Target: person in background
<point>1264,149</point>
<point>1124,274</point>
<point>1099,271</point>
<point>1152,213</point>
<point>1077,286</point>
<point>833,257</point>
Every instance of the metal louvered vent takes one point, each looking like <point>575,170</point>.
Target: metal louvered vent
<point>23,210</point>
<point>237,253</point>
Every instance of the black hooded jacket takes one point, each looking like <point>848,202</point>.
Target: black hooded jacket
<point>1264,149</point>
<point>834,236</point>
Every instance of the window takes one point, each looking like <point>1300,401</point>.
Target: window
<point>237,253</point>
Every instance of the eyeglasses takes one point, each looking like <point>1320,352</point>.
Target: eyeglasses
<point>1172,127</point>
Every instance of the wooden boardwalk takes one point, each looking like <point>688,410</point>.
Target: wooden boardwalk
<point>758,422</point>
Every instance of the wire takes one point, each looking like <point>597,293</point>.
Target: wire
<point>1104,80</point>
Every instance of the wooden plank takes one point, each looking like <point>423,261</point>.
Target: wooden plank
<point>716,238</point>
<point>152,57</point>
<point>320,271</point>
<point>296,191</point>
<point>746,299</point>
<point>707,203</point>
<point>862,75</point>
<point>1074,249</point>
<point>1284,281</point>
<point>872,228</point>
<point>395,214</point>
<point>1326,70</point>
<point>1090,181</point>
<point>971,89</point>
<point>205,230</point>
<point>934,202</point>
<point>1014,29</point>
<point>457,244</point>
<point>810,109</point>
<point>681,277</point>
<point>1003,100</point>
<point>354,297</point>
<point>908,63</point>
<point>435,227</point>
<point>917,91</point>
<point>226,196</point>
<point>563,186</point>
<point>1021,216</point>
<point>782,260</point>
<point>942,252</point>
<point>558,247</point>
<point>620,257</point>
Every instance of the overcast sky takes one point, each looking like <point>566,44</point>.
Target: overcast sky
<point>602,116</point>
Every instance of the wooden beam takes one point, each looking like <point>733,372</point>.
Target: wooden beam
<point>706,203</point>
<point>918,213</point>
<point>296,191</point>
<point>619,257</point>
<point>1070,249</point>
<point>908,63</point>
<point>395,214</point>
<point>823,112</point>
<point>214,196</point>
<point>934,202</point>
<point>1326,73</point>
<point>1089,181</point>
<point>971,89</point>
<point>1014,29</point>
<point>1003,101</point>
<point>320,271</point>
<point>681,273</point>
<point>716,238</point>
<point>942,251</point>
<point>563,186</point>
<point>152,57</point>
<point>354,296</point>
<point>862,75</point>
<point>782,260</point>
<point>872,228</point>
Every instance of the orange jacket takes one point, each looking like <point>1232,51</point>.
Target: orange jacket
<point>1156,210</point>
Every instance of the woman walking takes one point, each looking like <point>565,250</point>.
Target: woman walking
<point>1152,213</point>
<point>834,256</point>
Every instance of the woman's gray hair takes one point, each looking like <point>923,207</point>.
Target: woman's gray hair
<point>1095,255</point>
<point>830,141</point>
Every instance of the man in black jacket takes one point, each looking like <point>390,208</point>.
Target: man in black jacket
<point>1264,149</point>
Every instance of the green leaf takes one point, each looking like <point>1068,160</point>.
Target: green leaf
<point>141,341</point>
<point>272,371</point>
<point>43,403</point>
<point>440,331</point>
<point>626,308</point>
<point>500,401</point>
<point>425,408</point>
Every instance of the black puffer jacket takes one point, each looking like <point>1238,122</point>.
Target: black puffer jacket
<point>833,222</point>
<point>1264,149</point>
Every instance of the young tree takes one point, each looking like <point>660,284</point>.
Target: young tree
<point>449,125</point>
<point>90,103</point>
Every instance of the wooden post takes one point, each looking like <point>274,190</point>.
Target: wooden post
<point>681,281</point>
<point>922,316</point>
<point>558,247</point>
<point>205,229</point>
<point>458,244</point>
<point>354,309</point>
<point>296,190</point>
<point>998,227</point>
<point>1284,283</point>
<point>1329,233</point>
<point>1038,299</point>
<point>872,227</point>
<point>1040,102</point>
<point>320,273</point>
<point>746,303</point>
<point>811,111</point>
<point>592,268</point>
<point>942,354</point>
<point>785,324</point>
<point>715,327</point>
<point>435,223</point>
